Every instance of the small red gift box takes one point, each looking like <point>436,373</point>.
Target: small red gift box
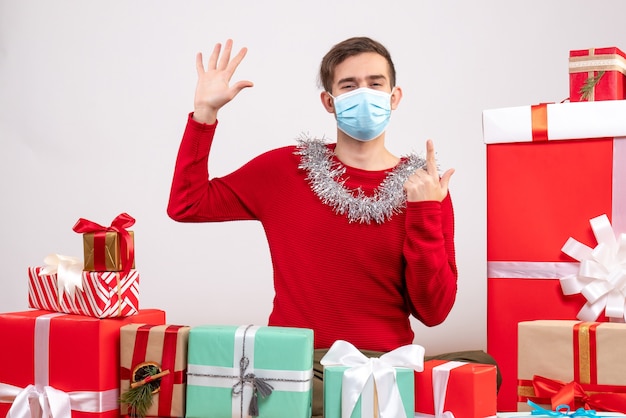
<point>467,390</point>
<point>597,74</point>
<point>160,348</point>
<point>550,169</point>
<point>103,294</point>
<point>63,361</point>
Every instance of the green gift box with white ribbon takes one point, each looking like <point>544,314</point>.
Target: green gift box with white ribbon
<point>240,371</point>
<point>356,386</point>
<point>367,404</point>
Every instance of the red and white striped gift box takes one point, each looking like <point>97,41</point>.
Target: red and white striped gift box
<point>104,294</point>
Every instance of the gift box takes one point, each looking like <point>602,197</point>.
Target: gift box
<point>356,386</point>
<point>148,350</point>
<point>97,294</point>
<point>466,390</point>
<point>597,74</point>
<point>62,361</point>
<point>108,248</point>
<point>236,371</point>
<point>573,363</point>
<point>368,402</point>
<point>551,168</point>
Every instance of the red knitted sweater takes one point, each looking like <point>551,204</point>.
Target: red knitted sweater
<point>351,281</point>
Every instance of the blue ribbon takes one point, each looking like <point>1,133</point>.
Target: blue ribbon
<point>562,411</point>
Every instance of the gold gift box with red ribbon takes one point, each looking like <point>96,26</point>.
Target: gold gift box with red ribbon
<point>108,248</point>
<point>148,348</point>
<point>574,363</point>
<point>102,251</point>
<point>597,74</point>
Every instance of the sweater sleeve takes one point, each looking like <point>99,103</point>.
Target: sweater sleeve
<point>431,271</point>
<point>194,197</point>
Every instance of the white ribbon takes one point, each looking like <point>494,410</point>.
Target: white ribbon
<point>601,278</point>
<point>440,376</point>
<point>39,400</point>
<point>69,271</point>
<point>382,370</point>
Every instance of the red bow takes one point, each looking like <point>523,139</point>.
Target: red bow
<point>574,395</point>
<point>119,225</point>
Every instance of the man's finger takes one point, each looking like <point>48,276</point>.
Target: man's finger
<point>214,55</point>
<point>199,63</point>
<point>234,63</point>
<point>445,178</point>
<point>225,58</point>
<point>431,161</point>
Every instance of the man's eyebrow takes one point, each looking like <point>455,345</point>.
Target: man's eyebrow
<point>376,77</point>
<point>369,77</point>
<point>347,80</point>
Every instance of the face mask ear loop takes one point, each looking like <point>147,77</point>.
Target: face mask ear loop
<point>333,104</point>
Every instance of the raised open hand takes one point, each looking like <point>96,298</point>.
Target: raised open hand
<point>213,89</point>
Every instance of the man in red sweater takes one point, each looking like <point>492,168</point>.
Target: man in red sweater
<point>360,239</point>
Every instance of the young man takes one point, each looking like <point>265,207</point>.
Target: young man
<point>360,239</point>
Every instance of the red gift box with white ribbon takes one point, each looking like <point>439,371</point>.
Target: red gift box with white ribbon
<point>455,388</point>
<point>59,365</point>
<point>551,168</point>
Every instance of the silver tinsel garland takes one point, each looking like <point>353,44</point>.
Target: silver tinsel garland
<point>323,173</point>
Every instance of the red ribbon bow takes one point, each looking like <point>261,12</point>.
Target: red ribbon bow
<point>119,225</point>
<point>574,395</point>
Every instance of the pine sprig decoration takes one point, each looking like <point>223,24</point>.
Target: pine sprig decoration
<point>587,88</point>
<point>139,397</point>
<point>139,400</point>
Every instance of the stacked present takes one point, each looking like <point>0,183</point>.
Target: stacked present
<point>105,285</point>
<point>62,358</point>
<point>556,206</point>
<point>88,350</point>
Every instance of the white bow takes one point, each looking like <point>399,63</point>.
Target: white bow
<point>382,370</point>
<point>46,402</point>
<point>601,278</point>
<point>69,271</point>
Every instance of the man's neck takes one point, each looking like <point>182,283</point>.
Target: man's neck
<point>371,155</point>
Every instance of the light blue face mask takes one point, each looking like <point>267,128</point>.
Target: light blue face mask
<point>363,113</point>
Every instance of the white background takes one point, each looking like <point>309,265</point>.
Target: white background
<point>94,97</point>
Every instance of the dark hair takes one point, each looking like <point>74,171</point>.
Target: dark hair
<point>348,48</point>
